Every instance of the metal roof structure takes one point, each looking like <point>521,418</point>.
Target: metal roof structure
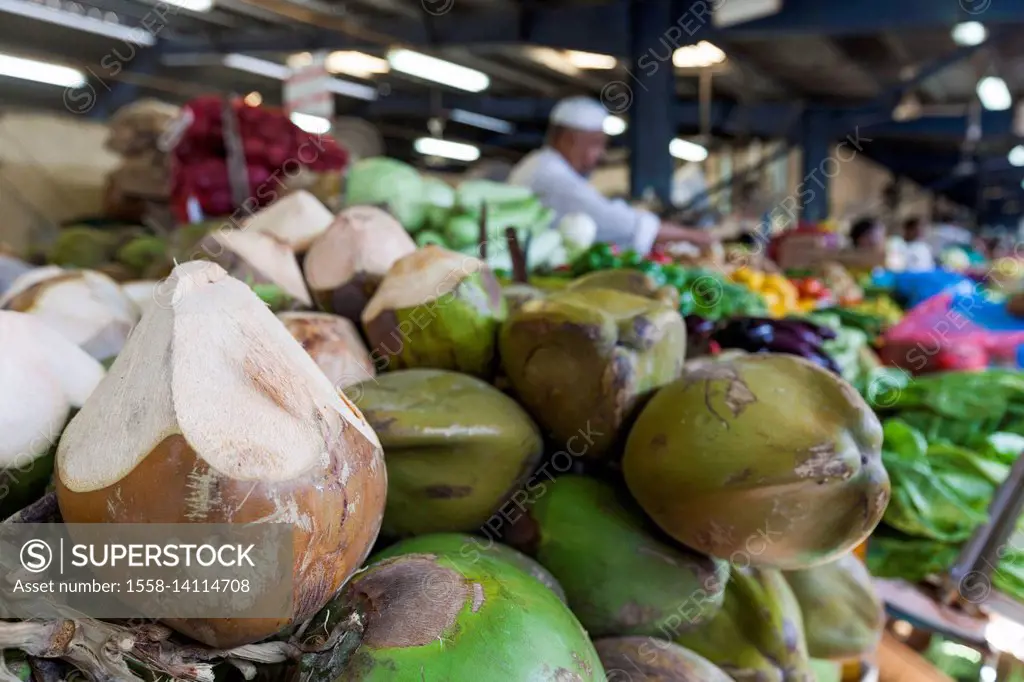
<point>848,63</point>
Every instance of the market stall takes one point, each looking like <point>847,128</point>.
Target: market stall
<point>505,450</point>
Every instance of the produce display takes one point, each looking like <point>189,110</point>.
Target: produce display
<point>436,214</point>
<point>272,146</point>
<point>616,469</point>
<point>950,440</point>
<point>702,292</point>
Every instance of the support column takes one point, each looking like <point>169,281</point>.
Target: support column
<point>815,140</point>
<point>651,90</point>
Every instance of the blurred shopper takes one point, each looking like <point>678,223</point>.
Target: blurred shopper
<point>919,256</point>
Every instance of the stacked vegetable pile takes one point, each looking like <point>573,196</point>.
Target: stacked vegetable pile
<point>701,292</point>
<point>436,213</point>
<point>614,510</point>
<point>274,150</point>
<point>144,173</point>
<point>950,440</point>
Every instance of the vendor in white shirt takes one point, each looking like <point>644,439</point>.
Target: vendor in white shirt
<point>557,174</point>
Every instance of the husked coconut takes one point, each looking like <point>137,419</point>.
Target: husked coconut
<point>143,293</point>
<point>43,376</point>
<point>437,309</point>
<point>346,264</point>
<point>85,306</point>
<point>296,219</point>
<point>10,269</point>
<point>334,343</point>
<point>213,413</point>
<point>256,259</point>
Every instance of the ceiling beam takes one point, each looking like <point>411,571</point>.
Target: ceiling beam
<point>599,28</point>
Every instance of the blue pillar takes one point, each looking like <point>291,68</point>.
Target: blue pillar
<point>818,168</point>
<point>648,95</point>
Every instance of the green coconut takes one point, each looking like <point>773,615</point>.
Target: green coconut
<point>455,448</point>
<point>646,659</point>
<point>758,634</point>
<point>442,617</point>
<point>44,378</point>
<point>471,547</point>
<point>631,282</point>
<point>436,308</point>
<point>766,459</point>
<point>518,294</point>
<point>585,359</point>
<point>145,254</point>
<point>842,614</point>
<point>618,577</point>
<point>83,247</point>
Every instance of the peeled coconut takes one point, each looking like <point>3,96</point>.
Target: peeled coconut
<point>647,659</point>
<point>334,343</point>
<point>437,308</point>
<point>10,270</point>
<point>346,264</point>
<point>85,306</point>
<point>143,293</point>
<point>296,219</point>
<point>213,413</point>
<point>445,617</point>
<point>258,260</point>
<point>43,377</point>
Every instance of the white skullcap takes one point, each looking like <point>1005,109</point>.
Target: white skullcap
<point>579,113</point>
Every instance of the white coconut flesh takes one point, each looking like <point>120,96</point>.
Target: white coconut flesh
<point>28,280</point>
<point>219,369</point>
<point>271,258</point>
<point>361,240</point>
<point>296,220</point>
<point>420,277</point>
<point>334,344</point>
<point>42,376</point>
<point>85,306</point>
<point>141,292</point>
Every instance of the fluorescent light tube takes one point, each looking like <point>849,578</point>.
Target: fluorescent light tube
<point>686,150</point>
<point>353,90</point>
<point>590,60</point>
<point>357,64</point>
<point>994,94</point>
<point>59,17</point>
<point>697,56</point>
<point>438,70</point>
<point>281,72</point>
<point>1016,157</point>
<point>476,120</point>
<point>40,72</point>
<point>317,125</point>
<point>613,125</point>
<point>258,67</point>
<point>969,33</point>
<point>433,146</point>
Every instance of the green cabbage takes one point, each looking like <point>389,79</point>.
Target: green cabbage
<point>387,182</point>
